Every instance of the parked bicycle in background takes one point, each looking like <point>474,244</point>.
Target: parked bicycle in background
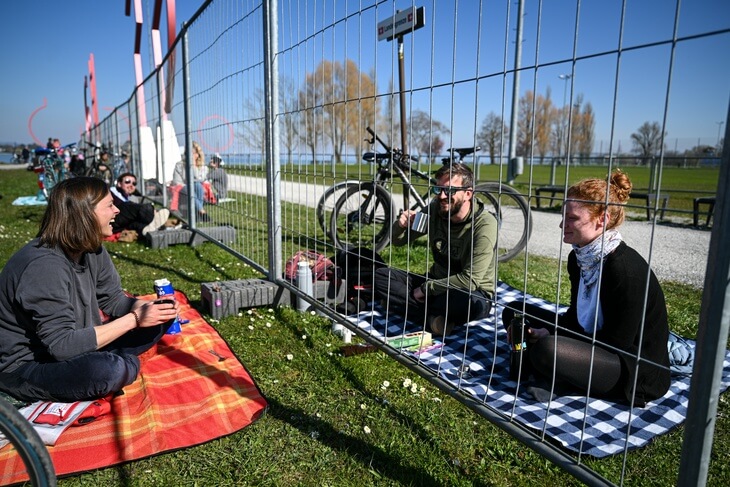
<point>364,211</point>
<point>52,167</point>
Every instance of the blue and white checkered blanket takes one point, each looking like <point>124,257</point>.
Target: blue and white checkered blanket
<point>475,359</point>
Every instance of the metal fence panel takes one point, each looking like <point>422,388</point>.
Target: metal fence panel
<point>285,91</point>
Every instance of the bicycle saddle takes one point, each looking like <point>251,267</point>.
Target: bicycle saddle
<point>375,156</point>
<point>464,151</point>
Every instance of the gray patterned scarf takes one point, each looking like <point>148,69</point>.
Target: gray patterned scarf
<point>590,256</point>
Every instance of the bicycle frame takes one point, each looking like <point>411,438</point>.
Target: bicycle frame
<point>364,209</point>
<point>401,168</point>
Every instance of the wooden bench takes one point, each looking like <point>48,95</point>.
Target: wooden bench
<point>649,198</point>
<point>703,200</point>
<point>553,190</point>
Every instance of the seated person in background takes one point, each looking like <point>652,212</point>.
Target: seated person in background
<point>53,344</point>
<point>218,177</point>
<point>77,166</point>
<point>611,309</point>
<point>200,174</point>
<point>459,286</point>
<point>121,165</point>
<point>103,169</point>
<point>140,217</point>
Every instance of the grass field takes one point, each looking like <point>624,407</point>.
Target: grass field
<point>332,420</point>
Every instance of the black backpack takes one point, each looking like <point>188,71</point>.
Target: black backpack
<point>357,266</point>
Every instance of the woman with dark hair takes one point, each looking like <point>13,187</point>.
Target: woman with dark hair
<point>53,344</point>
<point>616,325</point>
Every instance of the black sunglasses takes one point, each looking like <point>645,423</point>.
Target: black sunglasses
<point>449,190</point>
<point>129,181</point>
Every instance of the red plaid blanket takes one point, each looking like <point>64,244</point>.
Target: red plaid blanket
<point>191,389</point>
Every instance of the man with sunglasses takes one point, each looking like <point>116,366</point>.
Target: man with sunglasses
<point>459,286</point>
<point>140,217</point>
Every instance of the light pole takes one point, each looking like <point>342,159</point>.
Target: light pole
<point>719,129</point>
<point>563,127</point>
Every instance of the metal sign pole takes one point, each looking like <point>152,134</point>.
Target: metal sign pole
<point>403,138</point>
<point>395,27</point>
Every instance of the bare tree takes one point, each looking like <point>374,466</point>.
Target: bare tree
<point>582,129</point>
<point>344,98</point>
<point>584,124</point>
<point>493,134</point>
<point>310,105</point>
<point>525,123</point>
<point>437,145</point>
<point>389,126</point>
<point>544,113</point>
<point>288,104</point>
<point>422,129</point>
<point>648,140</point>
<point>253,130</point>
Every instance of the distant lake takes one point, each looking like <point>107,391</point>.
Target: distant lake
<point>6,157</point>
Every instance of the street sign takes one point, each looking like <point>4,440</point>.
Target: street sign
<point>401,23</point>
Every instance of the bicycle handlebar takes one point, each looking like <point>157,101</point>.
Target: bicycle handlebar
<point>375,137</point>
<point>395,154</point>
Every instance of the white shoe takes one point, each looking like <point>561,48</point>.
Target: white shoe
<point>160,218</point>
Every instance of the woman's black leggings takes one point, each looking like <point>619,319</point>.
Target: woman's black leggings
<point>569,359</point>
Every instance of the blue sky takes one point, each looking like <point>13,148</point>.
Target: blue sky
<point>52,41</point>
<point>45,54</point>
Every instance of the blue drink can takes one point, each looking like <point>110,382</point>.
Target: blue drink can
<point>163,288</point>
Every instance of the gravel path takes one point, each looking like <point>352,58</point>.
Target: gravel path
<point>676,253</point>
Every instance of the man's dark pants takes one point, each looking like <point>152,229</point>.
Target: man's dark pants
<point>395,287</point>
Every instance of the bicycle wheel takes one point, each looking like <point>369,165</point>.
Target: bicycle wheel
<point>512,214</point>
<point>50,177</point>
<point>326,204</point>
<point>362,217</point>
<point>26,442</point>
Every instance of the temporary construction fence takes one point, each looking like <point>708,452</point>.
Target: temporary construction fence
<point>271,86</point>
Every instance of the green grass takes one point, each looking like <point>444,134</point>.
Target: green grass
<point>682,184</point>
<point>321,402</point>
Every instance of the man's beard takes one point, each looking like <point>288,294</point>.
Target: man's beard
<point>451,210</point>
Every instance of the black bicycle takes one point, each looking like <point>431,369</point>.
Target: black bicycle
<point>94,165</point>
<point>364,212</point>
<point>25,441</point>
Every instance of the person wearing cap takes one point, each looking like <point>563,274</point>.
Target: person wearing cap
<point>218,177</point>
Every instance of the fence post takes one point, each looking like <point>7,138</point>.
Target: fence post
<point>138,130</point>
<point>160,152</point>
<point>711,339</point>
<point>192,213</point>
<point>273,170</point>
<point>133,159</point>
